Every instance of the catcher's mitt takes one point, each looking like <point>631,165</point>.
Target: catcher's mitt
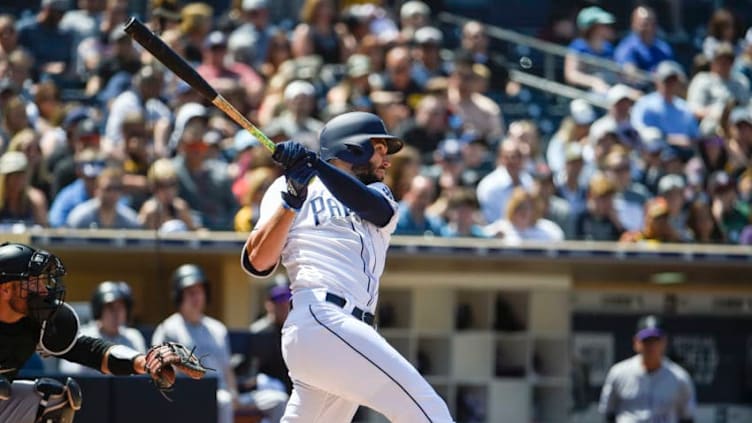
<point>163,360</point>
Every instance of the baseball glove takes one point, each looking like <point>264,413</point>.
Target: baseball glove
<point>162,362</point>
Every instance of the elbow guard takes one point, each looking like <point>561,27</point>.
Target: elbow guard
<point>120,360</point>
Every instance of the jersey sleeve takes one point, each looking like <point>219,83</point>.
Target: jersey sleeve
<point>607,403</point>
<point>687,402</point>
<point>384,190</point>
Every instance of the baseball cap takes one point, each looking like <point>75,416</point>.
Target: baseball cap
<point>720,181</point>
<point>412,8</point>
<point>740,114</point>
<point>428,35</point>
<point>593,15</point>
<point>248,5</point>
<point>59,5</point>
<point>75,115</point>
<point>244,140</point>
<point>721,50</point>
<point>296,88</point>
<point>573,151</point>
<point>649,327</point>
<point>215,39</point>
<point>652,139</point>
<point>450,150</point>
<point>668,68</point>
<point>619,92</point>
<point>358,65</point>
<point>12,162</point>
<point>669,183</point>
<point>581,111</point>
<point>279,293</point>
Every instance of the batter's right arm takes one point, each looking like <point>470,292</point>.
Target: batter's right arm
<point>264,244</point>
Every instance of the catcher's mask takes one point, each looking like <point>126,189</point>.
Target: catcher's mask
<point>40,273</point>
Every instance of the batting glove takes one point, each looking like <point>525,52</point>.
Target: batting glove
<point>289,153</point>
<point>298,177</point>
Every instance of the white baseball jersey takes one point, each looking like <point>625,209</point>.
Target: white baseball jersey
<point>330,247</point>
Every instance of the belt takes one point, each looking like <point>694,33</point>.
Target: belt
<point>363,316</point>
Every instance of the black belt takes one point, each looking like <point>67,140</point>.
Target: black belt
<point>363,316</point>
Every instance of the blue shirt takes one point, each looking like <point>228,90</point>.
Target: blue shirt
<point>670,118</point>
<point>406,225</point>
<point>581,46</point>
<point>646,57</point>
<point>45,43</point>
<point>65,201</point>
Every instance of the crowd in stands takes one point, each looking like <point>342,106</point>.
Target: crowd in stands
<point>95,133</point>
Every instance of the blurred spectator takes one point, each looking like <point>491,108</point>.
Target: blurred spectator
<point>427,60</point>
<point>27,142</point>
<point>104,211</point>
<point>50,45</point>
<point>88,165</point>
<point>522,221</point>
<point>650,169</point>
<point>122,57</point>
<point>164,205</point>
<point>630,196</point>
<point>257,181</point>
<point>731,214</point>
<point>463,215</point>
<point>599,221</point>
<point>702,225</point>
<point>712,155</point>
<point>642,49</point>
<point>427,128</point>
<point>740,140</point>
<point>475,40</point>
<point>413,15</point>
<point>8,36</point>
<point>478,113</point>
<point>85,20</point>
<point>19,202</point>
<point>657,227</point>
<point>743,63</point>
<point>353,92</point>
<point>495,189</point>
<point>721,30</point>
<point>397,75</point>
<point>276,307</point>
<point>413,219</point>
<point>143,97</point>
<point>526,132</point>
<point>297,118</point>
<point>138,158</point>
<point>711,92</point>
<point>195,24</point>
<point>278,51</point>
<point>21,66</point>
<point>665,110</point>
<point>49,107</point>
<point>111,307</point>
<point>620,99</point>
<point>82,135</point>
<point>671,187</point>
<point>318,33</point>
<point>14,119</point>
<point>204,183</point>
<point>568,183</point>
<point>551,206</point>
<point>164,15</point>
<point>405,167</point>
<point>256,26</point>
<point>391,108</point>
<point>216,64</point>
<point>447,172</point>
<point>573,129</point>
<point>596,33</point>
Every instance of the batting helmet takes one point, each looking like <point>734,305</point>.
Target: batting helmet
<point>185,276</point>
<point>348,137</point>
<point>109,292</point>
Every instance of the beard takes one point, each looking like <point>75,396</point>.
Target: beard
<point>366,173</point>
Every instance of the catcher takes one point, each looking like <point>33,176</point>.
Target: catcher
<point>33,316</point>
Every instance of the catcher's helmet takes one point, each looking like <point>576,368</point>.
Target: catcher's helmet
<point>19,262</point>
<point>108,292</point>
<point>348,137</point>
<point>185,276</point>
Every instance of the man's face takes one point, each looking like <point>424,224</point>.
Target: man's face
<point>194,299</point>
<point>18,293</point>
<point>109,190</point>
<point>651,348</point>
<point>375,169</point>
<point>114,315</point>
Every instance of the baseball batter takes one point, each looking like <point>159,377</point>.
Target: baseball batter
<point>330,228</point>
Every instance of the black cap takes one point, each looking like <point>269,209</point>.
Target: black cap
<point>649,327</point>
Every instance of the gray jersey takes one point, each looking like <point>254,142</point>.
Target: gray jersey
<point>209,337</point>
<point>635,396</point>
<point>126,336</point>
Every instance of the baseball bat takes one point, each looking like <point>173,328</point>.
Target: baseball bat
<point>167,56</point>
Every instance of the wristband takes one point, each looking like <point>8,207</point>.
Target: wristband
<point>120,360</point>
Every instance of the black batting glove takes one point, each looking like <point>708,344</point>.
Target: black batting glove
<point>298,177</point>
<point>289,153</point>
